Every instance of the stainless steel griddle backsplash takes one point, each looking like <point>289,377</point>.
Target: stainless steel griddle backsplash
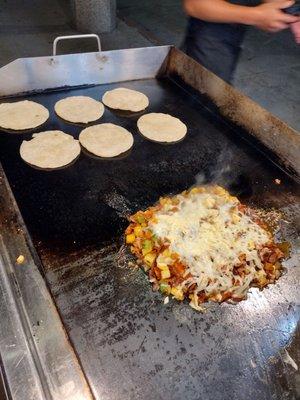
<point>130,345</point>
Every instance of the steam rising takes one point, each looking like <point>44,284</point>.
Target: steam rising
<point>224,172</point>
<point>220,173</point>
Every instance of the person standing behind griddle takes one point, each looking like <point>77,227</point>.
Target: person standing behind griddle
<point>216,29</point>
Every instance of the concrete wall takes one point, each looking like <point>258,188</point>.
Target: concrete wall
<point>94,16</point>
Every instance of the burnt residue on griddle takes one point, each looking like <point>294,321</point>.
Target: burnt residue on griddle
<point>122,332</point>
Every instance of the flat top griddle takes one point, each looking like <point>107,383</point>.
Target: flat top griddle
<point>130,345</point>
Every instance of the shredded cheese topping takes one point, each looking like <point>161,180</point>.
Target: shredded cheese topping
<point>209,234</point>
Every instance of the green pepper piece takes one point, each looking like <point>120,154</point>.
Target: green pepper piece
<point>147,246</point>
<point>164,288</point>
<point>140,219</point>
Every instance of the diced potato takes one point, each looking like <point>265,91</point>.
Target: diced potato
<point>130,238</point>
<point>166,253</point>
<point>177,293</point>
<point>161,265</point>
<point>235,218</point>
<point>138,231</point>
<point>261,277</point>
<point>20,259</point>
<point>165,200</point>
<point>194,190</point>
<point>217,297</point>
<point>165,273</point>
<point>251,245</point>
<point>150,258</point>
<point>263,281</point>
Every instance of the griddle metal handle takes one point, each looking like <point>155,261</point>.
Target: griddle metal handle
<point>89,35</point>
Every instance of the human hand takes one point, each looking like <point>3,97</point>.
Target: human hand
<point>270,17</point>
<point>295,27</point>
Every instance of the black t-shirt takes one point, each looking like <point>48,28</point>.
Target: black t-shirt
<point>216,45</point>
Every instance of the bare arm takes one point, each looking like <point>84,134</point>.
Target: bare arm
<point>217,11</point>
<point>268,16</point>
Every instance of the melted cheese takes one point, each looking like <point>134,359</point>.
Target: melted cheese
<point>209,234</point>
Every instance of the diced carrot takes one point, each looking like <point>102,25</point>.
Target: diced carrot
<point>269,267</point>
<point>148,235</point>
<point>129,229</point>
<point>174,256</point>
<point>237,298</point>
<point>242,208</point>
<point>226,296</point>
<point>242,257</point>
<point>177,269</point>
<point>157,272</point>
<point>201,296</point>
<point>148,214</point>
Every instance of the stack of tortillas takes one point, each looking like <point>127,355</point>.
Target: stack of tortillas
<point>79,109</point>
<point>106,140</point>
<point>161,127</point>
<point>125,99</point>
<point>50,149</point>
<point>22,115</point>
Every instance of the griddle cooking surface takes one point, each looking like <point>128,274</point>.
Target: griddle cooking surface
<point>130,345</point>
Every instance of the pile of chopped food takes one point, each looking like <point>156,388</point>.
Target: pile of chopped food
<point>204,245</point>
